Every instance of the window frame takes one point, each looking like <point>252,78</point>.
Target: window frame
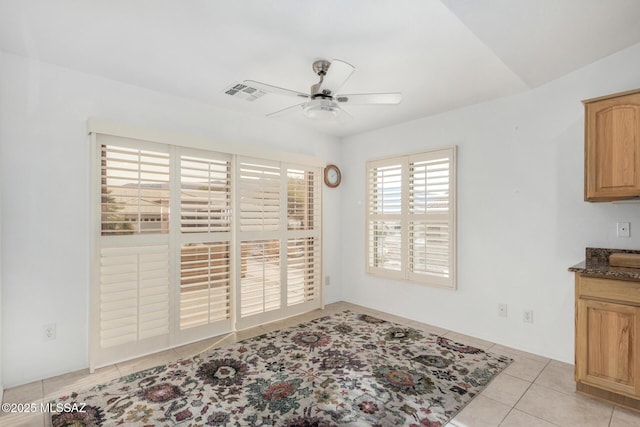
<point>179,145</point>
<point>407,219</point>
<point>208,237</point>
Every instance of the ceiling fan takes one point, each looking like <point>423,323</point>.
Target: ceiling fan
<point>323,101</point>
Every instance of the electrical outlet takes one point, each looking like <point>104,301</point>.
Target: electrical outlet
<point>49,332</point>
<point>527,316</point>
<point>327,280</point>
<point>502,310</point>
<point>624,229</point>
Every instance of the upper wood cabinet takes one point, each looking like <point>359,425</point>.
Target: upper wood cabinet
<point>612,147</point>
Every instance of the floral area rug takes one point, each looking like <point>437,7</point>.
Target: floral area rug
<point>347,369</point>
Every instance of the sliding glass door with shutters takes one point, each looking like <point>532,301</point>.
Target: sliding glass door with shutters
<point>205,240</point>
<point>130,302</point>
<point>279,241</point>
<point>192,243</point>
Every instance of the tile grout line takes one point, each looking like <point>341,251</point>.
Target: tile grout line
<point>534,416</point>
<point>505,416</point>
<point>525,392</point>
<point>611,417</point>
<point>613,406</point>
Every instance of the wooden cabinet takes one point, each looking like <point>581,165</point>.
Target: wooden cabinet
<point>608,339</point>
<point>612,147</point>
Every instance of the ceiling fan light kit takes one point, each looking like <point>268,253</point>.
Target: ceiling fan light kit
<point>323,102</point>
<point>321,109</point>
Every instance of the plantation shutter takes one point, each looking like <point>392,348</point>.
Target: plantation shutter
<point>135,190</point>
<point>205,243</point>
<point>260,283</point>
<point>304,275</point>
<point>189,243</point>
<point>385,223</point>
<point>280,230</point>
<point>259,196</point>
<point>134,294</point>
<point>205,197</point>
<point>431,217</point>
<point>260,224</point>
<point>303,270</point>
<point>134,255</point>
<point>411,217</point>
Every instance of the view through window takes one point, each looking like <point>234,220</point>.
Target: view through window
<point>411,217</point>
<point>192,242</point>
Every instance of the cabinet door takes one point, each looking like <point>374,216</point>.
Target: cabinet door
<point>612,148</point>
<point>607,346</point>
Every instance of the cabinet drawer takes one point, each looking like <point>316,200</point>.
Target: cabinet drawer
<point>626,292</point>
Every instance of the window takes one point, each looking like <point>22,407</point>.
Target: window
<point>205,238</point>
<point>133,267</point>
<point>192,243</point>
<point>260,207</point>
<point>411,218</point>
<point>279,236</point>
<point>135,189</point>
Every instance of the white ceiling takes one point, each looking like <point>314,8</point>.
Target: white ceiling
<point>440,54</point>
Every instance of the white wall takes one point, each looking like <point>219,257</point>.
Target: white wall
<point>521,216</point>
<point>1,379</point>
<point>45,174</point>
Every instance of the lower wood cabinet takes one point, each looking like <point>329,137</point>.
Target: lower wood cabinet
<point>608,339</point>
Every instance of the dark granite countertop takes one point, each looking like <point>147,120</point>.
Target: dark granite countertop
<point>596,264</point>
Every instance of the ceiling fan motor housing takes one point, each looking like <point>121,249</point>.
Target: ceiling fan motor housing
<point>318,92</point>
<point>320,67</point>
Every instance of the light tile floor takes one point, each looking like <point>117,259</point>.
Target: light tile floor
<point>532,392</point>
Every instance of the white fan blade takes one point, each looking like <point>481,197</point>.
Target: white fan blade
<point>275,89</point>
<point>337,74</point>
<point>370,98</point>
<point>287,110</point>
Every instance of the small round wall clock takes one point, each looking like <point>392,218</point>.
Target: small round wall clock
<point>332,176</point>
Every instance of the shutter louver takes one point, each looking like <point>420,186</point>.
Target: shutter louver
<point>280,258</point>
<point>302,200</point>
<point>384,234</point>
<point>260,277</point>
<point>205,286</point>
<point>385,245</point>
<point>303,270</point>
<point>430,240</point>
<point>429,243</point>
<point>303,251</point>
<point>259,196</point>
<point>135,191</point>
<point>205,195</point>
<point>134,294</point>
<point>385,190</point>
<point>205,249</point>
<point>429,186</point>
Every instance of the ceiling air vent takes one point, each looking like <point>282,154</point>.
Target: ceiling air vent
<point>242,91</point>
